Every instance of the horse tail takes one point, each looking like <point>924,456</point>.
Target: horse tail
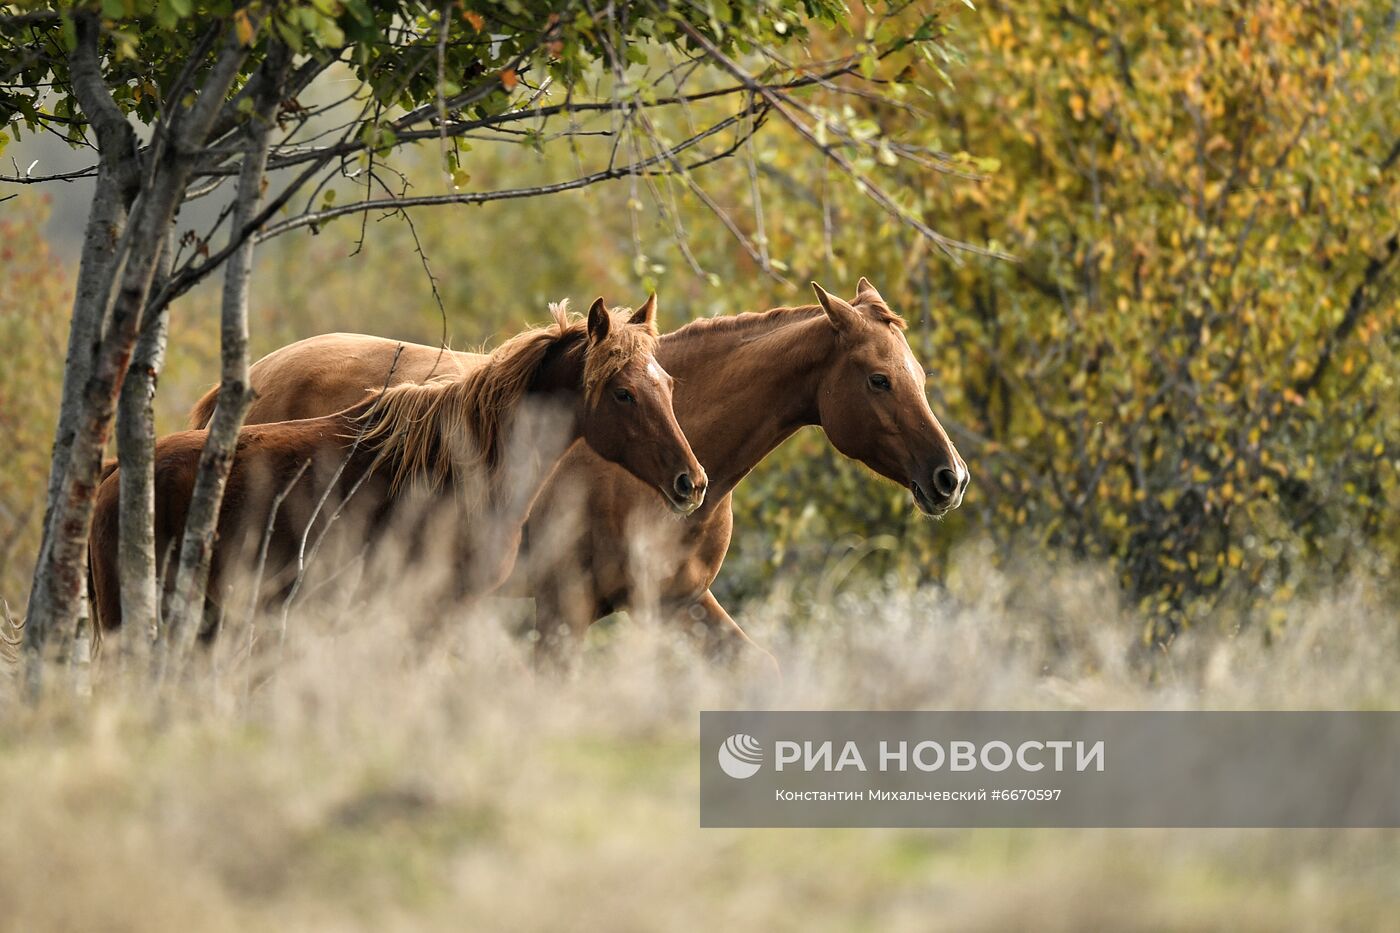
<point>204,409</point>
<point>94,617</point>
<point>94,622</point>
<point>104,590</point>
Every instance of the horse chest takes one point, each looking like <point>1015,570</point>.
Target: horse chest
<point>679,558</point>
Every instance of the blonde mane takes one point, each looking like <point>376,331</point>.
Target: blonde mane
<point>423,428</point>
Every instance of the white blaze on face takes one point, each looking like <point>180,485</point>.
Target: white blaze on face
<point>654,371</point>
<point>918,374</point>
<point>915,369</point>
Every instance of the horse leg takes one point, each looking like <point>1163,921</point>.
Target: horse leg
<point>563,614</point>
<point>721,637</point>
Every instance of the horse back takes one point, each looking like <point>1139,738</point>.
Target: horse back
<point>322,375</point>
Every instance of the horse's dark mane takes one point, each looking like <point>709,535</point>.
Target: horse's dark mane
<point>411,423</point>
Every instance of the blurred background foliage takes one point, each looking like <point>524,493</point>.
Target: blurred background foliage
<point>1189,374</point>
<point>35,294</point>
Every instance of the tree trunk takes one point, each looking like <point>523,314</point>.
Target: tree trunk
<point>60,576</point>
<point>117,183</point>
<point>201,522</point>
<point>136,436</point>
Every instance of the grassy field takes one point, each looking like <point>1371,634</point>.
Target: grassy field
<point>1190,370</point>
<point>363,776</point>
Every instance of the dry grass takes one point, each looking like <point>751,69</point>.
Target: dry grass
<point>362,778</point>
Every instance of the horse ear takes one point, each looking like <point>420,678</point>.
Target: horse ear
<point>646,314</point>
<point>866,292</point>
<point>838,311</point>
<point>599,321</point>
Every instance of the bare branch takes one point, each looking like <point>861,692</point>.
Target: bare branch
<point>27,179</point>
<point>483,197</point>
<point>193,127</point>
<point>17,21</point>
<point>784,106</point>
<point>1376,266</point>
<point>402,125</point>
<point>116,140</point>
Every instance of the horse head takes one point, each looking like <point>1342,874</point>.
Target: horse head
<point>873,407</point>
<point>627,416</point>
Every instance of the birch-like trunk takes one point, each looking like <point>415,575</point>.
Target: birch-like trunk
<point>197,546</point>
<point>136,442</point>
<point>117,184</point>
<point>60,576</point>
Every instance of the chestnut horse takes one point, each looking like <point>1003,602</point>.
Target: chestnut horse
<point>468,451</point>
<point>743,385</point>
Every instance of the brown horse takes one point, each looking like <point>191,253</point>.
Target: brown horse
<point>466,451</point>
<point>743,385</point>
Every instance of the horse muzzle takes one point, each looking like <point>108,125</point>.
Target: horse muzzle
<point>942,491</point>
<point>685,494</point>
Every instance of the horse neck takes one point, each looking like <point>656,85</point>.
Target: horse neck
<point>743,389</point>
<point>560,380</point>
<point>533,450</point>
<point>536,431</point>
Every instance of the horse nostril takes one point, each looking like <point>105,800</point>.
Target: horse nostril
<point>684,486</point>
<point>946,481</point>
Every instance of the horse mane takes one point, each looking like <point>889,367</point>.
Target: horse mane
<point>423,427</point>
<point>758,323</point>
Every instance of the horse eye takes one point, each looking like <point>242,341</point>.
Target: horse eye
<point>880,381</point>
<point>622,395</point>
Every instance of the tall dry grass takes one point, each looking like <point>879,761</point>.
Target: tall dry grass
<point>391,766</point>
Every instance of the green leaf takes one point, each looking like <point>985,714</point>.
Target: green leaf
<point>329,33</point>
<point>361,11</point>
<point>166,16</point>
<point>290,35</point>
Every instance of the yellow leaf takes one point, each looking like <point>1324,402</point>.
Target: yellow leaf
<point>244,27</point>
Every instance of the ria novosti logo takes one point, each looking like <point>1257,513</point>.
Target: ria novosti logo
<point>740,756</point>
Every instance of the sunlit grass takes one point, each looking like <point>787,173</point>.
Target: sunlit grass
<point>360,777</point>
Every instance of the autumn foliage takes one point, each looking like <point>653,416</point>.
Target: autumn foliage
<point>34,298</point>
<point>1191,370</point>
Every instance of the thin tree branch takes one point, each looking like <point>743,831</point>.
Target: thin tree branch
<point>483,197</point>
<point>1356,307</point>
<point>783,104</point>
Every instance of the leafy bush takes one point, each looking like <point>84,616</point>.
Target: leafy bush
<point>1191,371</point>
